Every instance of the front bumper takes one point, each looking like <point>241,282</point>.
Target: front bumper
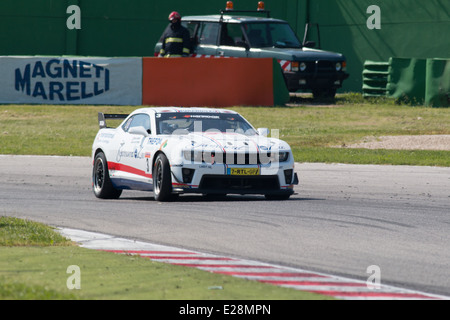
<point>215,179</point>
<point>314,80</point>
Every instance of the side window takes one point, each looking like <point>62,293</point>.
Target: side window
<point>257,34</point>
<point>192,28</point>
<point>126,125</point>
<point>139,120</point>
<point>208,33</point>
<point>231,34</point>
<point>191,25</point>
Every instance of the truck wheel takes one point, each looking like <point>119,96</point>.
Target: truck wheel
<point>101,182</point>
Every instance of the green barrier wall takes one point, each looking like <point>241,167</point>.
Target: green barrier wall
<point>410,80</point>
<point>375,78</point>
<point>437,93</point>
<point>408,28</point>
<point>406,80</point>
<point>108,27</point>
<point>280,91</point>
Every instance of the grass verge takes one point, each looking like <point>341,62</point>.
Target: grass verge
<point>316,132</point>
<point>377,156</point>
<point>313,131</point>
<point>19,232</point>
<point>36,269</point>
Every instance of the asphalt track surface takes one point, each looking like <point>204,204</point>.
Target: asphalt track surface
<point>342,219</point>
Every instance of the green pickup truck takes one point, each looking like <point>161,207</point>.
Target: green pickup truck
<point>231,35</point>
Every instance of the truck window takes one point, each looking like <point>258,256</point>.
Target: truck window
<point>271,35</point>
<point>190,25</point>
<point>192,28</point>
<point>231,34</point>
<point>208,33</point>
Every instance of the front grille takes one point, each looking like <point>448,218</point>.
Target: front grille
<point>325,66</point>
<point>238,158</point>
<point>239,183</point>
<point>232,158</point>
<point>321,66</point>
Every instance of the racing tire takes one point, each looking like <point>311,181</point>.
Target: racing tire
<point>101,182</point>
<point>162,179</point>
<point>277,196</point>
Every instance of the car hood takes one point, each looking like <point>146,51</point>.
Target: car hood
<point>305,54</point>
<point>231,142</point>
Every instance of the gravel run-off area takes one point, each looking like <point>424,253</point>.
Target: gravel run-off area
<point>421,142</point>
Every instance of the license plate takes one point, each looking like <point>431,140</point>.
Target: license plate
<point>243,171</point>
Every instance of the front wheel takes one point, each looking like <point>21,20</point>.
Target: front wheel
<point>101,182</point>
<point>162,180</point>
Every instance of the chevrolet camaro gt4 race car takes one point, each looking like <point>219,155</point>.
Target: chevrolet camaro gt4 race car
<point>171,151</point>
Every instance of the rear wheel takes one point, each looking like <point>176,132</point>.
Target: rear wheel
<point>162,180</point>
<point>101,182</point>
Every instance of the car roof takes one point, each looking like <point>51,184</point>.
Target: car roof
<point>231,18</point>
<point>182,109</point>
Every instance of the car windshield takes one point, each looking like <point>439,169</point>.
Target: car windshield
<point>184,123</point>
<point>273,34</point>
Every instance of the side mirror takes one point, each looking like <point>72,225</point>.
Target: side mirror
<point>139,131</point>
<point>263,132</point>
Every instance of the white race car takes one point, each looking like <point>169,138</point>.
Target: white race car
<point>172,151</point>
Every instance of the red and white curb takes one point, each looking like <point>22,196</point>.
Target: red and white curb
<point>298,279</point>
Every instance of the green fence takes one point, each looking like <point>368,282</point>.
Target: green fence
<point>407,28</point>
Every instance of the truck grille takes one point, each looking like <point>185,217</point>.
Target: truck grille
<point>321,66</point>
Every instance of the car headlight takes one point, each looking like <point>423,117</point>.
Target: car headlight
<point>283,156</point>
<point>338,66</point>
<point>274,157</point>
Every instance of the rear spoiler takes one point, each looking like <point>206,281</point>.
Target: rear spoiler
<point>102,116</point>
